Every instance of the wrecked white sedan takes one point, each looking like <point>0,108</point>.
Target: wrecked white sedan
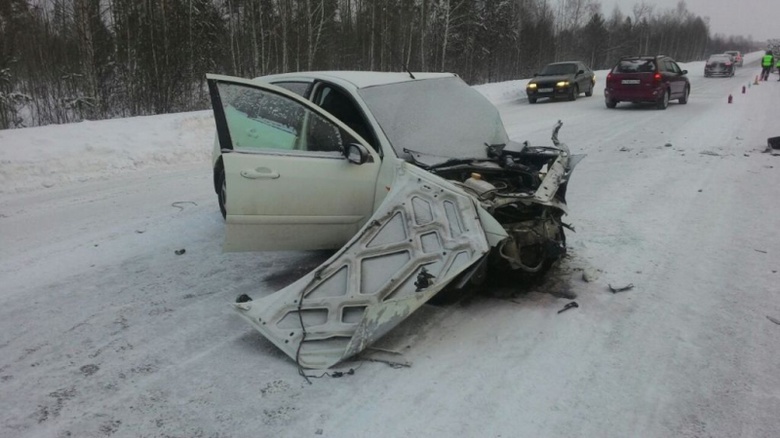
<point>411,175</point>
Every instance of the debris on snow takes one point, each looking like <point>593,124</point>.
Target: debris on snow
<point>668,145</point>
<point>774,320</point>
<point>758,250</point>
<point>714,154</point>
<point>180,204</point>
<point>388,362</point>
<point>773,143</point>
<point>590,275</point>
<point>568,306</point>
<point>180,251</point>
<point>621,289</point>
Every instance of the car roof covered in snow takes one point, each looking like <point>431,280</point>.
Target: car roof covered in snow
<point>358,79</point>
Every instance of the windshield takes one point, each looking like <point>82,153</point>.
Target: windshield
<point>442,117</point>
<point>558,69</point>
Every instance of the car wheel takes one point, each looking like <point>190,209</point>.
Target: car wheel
<point>684,99</point>
<point>590,91</point>
<point>663,102</point>
<point>575,90</point>
<point>221,191</point>
<point>611,103</point>
<point>531,100</point>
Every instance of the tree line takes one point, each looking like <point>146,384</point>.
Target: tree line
<point>68,60</point>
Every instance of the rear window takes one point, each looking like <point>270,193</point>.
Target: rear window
<point>719,59</point>
<point>635,66</point>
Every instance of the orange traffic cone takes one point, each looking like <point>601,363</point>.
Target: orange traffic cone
<point>756,82</point>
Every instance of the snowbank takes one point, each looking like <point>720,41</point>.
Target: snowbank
<point>57,154</point>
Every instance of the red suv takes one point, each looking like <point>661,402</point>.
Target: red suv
<point>656,79</point>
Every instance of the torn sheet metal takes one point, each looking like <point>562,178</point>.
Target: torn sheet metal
<point>425,225</point>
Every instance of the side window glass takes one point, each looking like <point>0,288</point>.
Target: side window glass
<point>323,136</point>
<point>261,120</point>
<point>342,108</point>
<point>298,88</point>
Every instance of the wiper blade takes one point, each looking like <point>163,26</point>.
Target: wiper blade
<point>447,161</point>
<point>415,156</point>
<point>453,162</point>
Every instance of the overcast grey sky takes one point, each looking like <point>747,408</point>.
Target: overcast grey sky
<point>759,18</point>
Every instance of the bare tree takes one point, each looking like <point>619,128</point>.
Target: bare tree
<point>65,60</point>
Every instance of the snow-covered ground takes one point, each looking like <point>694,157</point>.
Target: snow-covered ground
<point>104,330</point>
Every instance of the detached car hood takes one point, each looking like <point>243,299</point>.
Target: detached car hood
<point>423,236</point>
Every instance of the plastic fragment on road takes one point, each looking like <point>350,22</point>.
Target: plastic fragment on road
<point>621,289</point>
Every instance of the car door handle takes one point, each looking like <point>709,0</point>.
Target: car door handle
<point>260,173</point>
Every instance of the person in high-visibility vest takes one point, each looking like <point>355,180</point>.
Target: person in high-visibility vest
<point>778,68</point>
<point>766,65</point>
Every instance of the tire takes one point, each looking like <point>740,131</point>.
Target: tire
<point>684,99</point>
<point>611,103</point>
<point>531,100</point>
<point>590,91</point>
<point>574,92</point>
<point>221,191</point>
<point>663,102</point>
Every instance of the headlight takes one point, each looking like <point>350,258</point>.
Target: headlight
<point>531,85</point>
<point>562,84</point>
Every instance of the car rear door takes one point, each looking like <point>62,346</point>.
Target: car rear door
<point>289,185</point>
<point>675,77</point>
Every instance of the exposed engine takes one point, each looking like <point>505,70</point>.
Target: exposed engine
<point>513,187</point>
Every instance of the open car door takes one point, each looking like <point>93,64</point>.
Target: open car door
<point>290,184</point>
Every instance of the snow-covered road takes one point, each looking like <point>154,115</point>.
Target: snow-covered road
<point>105,331</point>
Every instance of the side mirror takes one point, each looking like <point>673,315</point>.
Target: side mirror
<point>579,72</point>
<point>536,74</point>
<point>685,72</point>
<point>356,153</point>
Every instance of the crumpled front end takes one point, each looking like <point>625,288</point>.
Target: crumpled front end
<point>438,223</point>
<point>525,191</point>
